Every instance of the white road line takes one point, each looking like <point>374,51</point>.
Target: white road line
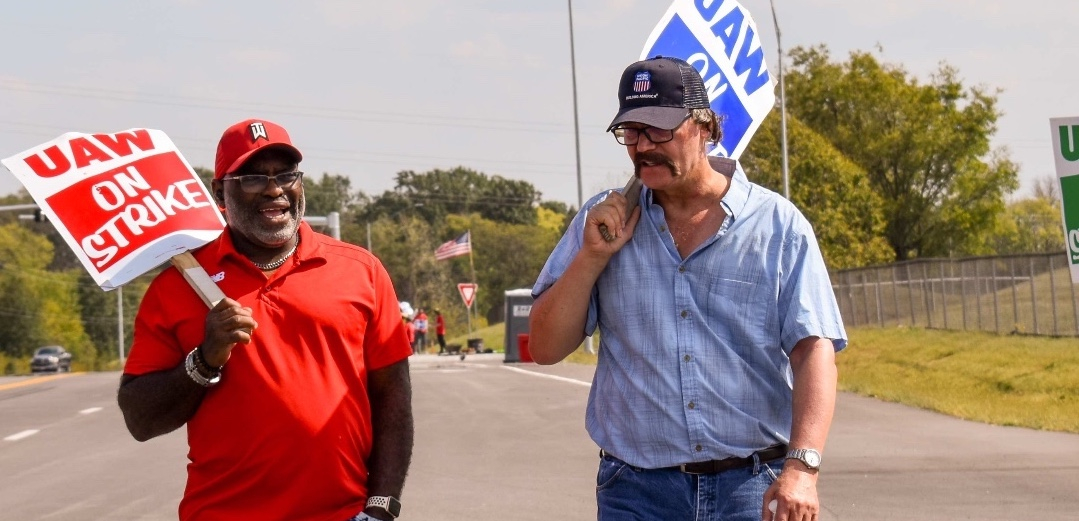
<point>21,435</point>
<point>551,376</point>
<point>91,410</point>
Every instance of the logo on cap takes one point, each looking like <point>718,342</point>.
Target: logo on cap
<point>642,82</point>
<point>258,130</point>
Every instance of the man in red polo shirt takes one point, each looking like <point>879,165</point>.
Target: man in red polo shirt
<point>294,388</point>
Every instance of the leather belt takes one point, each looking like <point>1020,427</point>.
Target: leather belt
<point>720,465</point>
<point>711,467</point>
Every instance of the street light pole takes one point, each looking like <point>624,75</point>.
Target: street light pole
<point>576,124</point>
<point>576,131</point>
<point>782,107</point>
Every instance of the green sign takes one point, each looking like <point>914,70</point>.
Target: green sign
<point>1069,190</point>
<point>1065,133</point>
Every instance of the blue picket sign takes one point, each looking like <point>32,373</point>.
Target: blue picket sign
<point>720,39</point>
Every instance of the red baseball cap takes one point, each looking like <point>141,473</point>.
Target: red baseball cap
<point>245,138</point>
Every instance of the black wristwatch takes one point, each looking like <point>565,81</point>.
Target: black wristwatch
<point>388,503</point>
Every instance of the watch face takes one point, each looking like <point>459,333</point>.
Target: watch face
<point>812,458</point>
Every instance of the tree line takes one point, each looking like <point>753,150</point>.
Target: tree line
<point>887,167</point>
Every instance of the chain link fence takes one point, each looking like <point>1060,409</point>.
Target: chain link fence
<point>1023,294</point>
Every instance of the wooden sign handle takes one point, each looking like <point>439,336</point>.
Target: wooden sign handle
<point>198,278</point>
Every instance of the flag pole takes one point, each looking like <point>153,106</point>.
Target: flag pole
<point>472,267</point>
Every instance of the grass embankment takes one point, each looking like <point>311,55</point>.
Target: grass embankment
<point>1021,381</point>
<point>1004,380</point>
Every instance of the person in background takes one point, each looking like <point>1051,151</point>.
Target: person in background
<point>409,329</point>
<point>295,387</point>
<point>420,323</point>
<point>440,331</point>
<point>716,380</point>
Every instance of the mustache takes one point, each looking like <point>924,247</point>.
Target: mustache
<point>654,158</point>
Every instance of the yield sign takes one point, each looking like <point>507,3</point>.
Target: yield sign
<point>468,293</point>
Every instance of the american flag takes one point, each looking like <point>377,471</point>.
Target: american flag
<point>458,246</point>
<point>642,81</point>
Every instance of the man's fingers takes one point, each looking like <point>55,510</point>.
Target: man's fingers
<point>605,233</point>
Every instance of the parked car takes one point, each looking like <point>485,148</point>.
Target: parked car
<point>51,358</point>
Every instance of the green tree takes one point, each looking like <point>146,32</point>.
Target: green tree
<point>23,256</point>
<point>406,246</point>
<point>925,147</point>
<point>833,193</point>
<point>60,317</point>
<point>330,193</point>
<point>1030,225</point>
<point>512,234</point>
<point>40,306</point>
<point>564,212</point>
<point>506,256</point>
<point>99,314</point>
<point>205,175</point>
<point>437,193</point>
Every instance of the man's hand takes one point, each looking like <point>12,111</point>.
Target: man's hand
<point>611,213</point>
<point>795,493</point>
<point>227,324</point>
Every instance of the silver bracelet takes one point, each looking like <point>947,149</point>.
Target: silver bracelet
<point>194,374</point>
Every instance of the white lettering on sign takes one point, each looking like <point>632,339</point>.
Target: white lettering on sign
<point>714,83</point>
<point>81,152</point>
<point>109,195</point>
<point>1073,244</point>
<point>520,310</point>
<point>149,211</point>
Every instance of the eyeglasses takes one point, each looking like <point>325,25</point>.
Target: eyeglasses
<point>256,183</point>
<point>630,136</point>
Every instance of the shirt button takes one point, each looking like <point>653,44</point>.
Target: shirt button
<point>698,448</point>
<point>681,269</point>
<point>662,228</point>
<point>687,358</point>
<point>692,405</point>
<point>685,313</point>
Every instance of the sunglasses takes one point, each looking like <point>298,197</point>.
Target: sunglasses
<point>257,183</point>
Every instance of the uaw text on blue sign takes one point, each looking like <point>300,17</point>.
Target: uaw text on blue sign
<point>720,39</point>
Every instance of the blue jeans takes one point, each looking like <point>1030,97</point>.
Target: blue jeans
<point>625,492</point>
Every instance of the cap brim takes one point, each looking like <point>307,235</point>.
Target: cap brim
<point>272,146</point>
<point>667,118</point>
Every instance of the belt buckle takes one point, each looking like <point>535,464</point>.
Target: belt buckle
<point>686,470</point>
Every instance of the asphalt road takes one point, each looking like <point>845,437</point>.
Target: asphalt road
<point>499,441</point>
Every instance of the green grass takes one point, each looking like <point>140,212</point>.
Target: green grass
<point>1005,380</point>
<point>494,337</point>
<point>1023,381</point>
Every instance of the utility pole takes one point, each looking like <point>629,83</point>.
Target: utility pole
<point>577,133</point>
<point>782,107</point>
<point>576,123</point>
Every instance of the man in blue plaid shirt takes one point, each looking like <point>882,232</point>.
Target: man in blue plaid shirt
<point>716,380</point>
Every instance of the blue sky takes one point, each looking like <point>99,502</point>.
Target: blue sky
<point>368,88</point>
